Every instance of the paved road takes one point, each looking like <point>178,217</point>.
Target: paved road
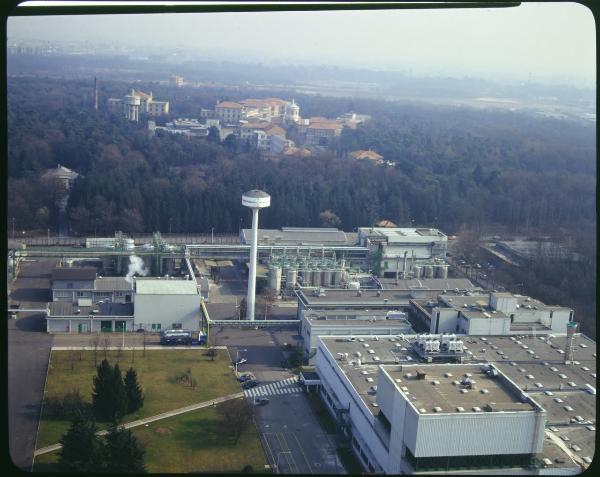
<point>264,349</point>
<point>28,354</point>
<point>293,438</point>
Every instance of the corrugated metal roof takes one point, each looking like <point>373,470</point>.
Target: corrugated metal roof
<point>74,273</point>
<point>112,283</point>
<point>58,309</point>
<point>166,287</point>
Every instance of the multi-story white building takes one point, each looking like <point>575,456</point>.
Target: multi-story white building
<point>136,103</point>
<point>401,250</point>
<point>490,314</point>
<point>167,304</point>
<point>472,413</point>
<point>229,112</point>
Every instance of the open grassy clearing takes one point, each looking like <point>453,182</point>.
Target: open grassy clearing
<point>191,442</point>
<point>157,372</point>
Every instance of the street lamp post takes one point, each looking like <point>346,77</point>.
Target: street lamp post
<point>212,235</point>
<point>237,351</point>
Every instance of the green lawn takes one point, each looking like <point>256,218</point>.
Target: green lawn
<point>156,373</point>
<point>191,442</point>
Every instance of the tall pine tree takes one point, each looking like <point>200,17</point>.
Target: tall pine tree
<point>119,395</point>
<point>123,452</point>
<point>101,394</point>
<point>82,450</point>
<point>135,398</point>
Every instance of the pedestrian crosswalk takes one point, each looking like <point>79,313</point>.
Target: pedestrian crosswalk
<point>287,386</point>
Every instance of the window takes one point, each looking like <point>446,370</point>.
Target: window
<point>155,326</point>
<point>69,285</point>
<point>119,293</point>
<point>81,294</point>
<point>176,326</point>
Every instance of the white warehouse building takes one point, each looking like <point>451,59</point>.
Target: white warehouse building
<point>167,304</point>
<point>407,417</point>
<point>403,249</point>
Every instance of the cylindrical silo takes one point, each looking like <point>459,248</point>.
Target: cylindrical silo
<point>291,278</point>
<point>275,279</point>
<point>326,278</point>
<point>336,277</point>
<point>417,271</point>
<point>316,278</point>
<point>428,271</point>
<point>306,281</point>
<point>442,271</point>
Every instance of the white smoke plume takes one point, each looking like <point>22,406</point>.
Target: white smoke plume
<point>136,265</point>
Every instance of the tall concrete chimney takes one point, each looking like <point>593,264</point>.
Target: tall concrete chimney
<point>95,93</point>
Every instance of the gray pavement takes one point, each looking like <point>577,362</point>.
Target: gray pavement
<point>293,439</point>
<point>28,354</point>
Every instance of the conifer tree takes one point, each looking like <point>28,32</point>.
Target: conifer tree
<point>101,394</point>
<point>119,395</point>
<point>123,452</point>
<point>135,398</point>
<point>82,450</point>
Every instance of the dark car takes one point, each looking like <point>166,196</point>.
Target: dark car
<point>249,384</point>
<point>261,400</point>
<point>246,377</point>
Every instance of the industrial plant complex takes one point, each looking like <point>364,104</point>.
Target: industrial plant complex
<point>421,370</point>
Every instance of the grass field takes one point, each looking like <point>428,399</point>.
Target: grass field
<point>156,371</point>
<point>191,442</point>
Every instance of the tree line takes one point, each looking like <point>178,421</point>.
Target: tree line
<point>453,167</point>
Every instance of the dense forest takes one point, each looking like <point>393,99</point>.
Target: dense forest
<point>454,166</point>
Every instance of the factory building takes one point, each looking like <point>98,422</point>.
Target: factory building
<point>80,285</point>
<point>167,304</point>
<point>480,405</point>
<point>65,317</point>
<point>351,322</point>
<point>418,252</point>
<point>299,236</point>
<point>490,314</point>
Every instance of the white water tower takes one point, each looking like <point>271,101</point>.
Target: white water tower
<point>255,199</point>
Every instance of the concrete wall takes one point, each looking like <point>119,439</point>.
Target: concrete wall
<point>478,434</point>
<point>447,321</point>
<point>166,310</point>
<point>338,385</point>
<point>71,325</point>
<point>488,326</point>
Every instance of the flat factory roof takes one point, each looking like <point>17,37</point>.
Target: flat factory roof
<point>112,284</point>
<point>165,287</point>
<point>300,235</point>
<point>441,389</point>
<point>58,309</point>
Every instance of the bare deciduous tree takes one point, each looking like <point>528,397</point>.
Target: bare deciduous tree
<point>95,342</point>
<point>237,416</point>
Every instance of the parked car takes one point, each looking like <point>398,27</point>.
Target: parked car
<point>246,377</point>
<point>261,400</point>
<point>249,384</point>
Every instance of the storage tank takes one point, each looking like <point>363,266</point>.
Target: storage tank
<point>428,271</point>
<point>442,271</point>
<point>292,275</point>
<point>275,279</point>
<point>306,278</point>
<point>336,277</point>
<point>417,271</point>
<point>326,276</point>
<point>316,278</point>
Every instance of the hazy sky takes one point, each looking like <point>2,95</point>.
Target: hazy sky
<point>533,41</point>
